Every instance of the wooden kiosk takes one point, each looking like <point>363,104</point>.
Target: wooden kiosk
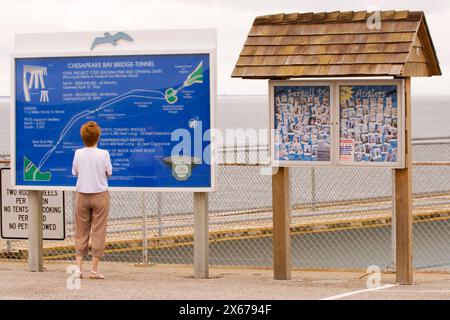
<point>392,45</point>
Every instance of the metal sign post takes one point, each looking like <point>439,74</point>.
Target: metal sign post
<point>201,235</point>
<point>35,234</point>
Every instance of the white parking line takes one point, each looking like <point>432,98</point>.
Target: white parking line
<point>420,291</point>
<point>347,294</point>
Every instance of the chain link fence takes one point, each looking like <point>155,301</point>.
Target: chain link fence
<point>341,217</point>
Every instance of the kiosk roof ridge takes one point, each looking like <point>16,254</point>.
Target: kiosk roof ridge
<point>338,44</point>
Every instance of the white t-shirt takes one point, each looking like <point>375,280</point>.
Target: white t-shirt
<point>92,166</point>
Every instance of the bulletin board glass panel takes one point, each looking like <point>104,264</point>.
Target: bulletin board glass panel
<point>371,124</point>
<point>301,122</point>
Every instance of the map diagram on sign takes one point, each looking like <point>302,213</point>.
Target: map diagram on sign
<point>137,108</point>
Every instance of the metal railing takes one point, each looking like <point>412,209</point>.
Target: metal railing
<point>341,217</point>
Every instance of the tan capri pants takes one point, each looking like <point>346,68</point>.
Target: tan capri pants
<point>91,219</point>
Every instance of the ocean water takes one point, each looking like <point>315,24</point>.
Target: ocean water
<point>430,115</point>
<point>232,112</point>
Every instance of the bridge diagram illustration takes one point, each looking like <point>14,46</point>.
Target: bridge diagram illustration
<point>36,81</point>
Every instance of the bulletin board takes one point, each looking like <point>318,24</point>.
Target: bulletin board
<point>337,123</point>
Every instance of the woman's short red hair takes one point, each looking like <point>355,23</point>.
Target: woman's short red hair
<point>90,133</point>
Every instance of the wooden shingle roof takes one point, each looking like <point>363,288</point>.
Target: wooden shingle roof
<point>333,44</point>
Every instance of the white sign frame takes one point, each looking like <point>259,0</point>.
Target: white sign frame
<point>213,103</point>
<point>335,123</point>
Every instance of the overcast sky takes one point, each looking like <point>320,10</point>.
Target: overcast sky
<point>231,18</point>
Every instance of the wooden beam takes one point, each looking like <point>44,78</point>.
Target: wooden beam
<point>403,203</point>
<point>201,268</point>
<point>281,223</point>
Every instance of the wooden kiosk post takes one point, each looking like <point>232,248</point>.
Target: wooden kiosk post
<point>341,45</point>
<point>281,224</point>
<point>403,203</point>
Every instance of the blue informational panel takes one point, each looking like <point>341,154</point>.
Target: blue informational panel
<point>154,111</point>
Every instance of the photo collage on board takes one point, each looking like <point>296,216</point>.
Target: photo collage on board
<point>368,123</point>
<point>302,123</point>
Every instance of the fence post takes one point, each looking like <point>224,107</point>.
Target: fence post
<point>281,224</point>
<point>403,202</point>
<point>393,223</point>
<point>144,231</point>
<point>74,213</point>
<point>313,188</point>
<point>35,234</point>
<point>9,246</point>
<point>247,152</point>
<point>159,208</point>
<point>201,269</point>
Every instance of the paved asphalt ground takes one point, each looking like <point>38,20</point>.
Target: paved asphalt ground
<point>125,281</point>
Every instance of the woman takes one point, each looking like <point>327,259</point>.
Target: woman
<point>92,166</point>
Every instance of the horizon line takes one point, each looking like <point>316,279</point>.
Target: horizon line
<point>265,95</point>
